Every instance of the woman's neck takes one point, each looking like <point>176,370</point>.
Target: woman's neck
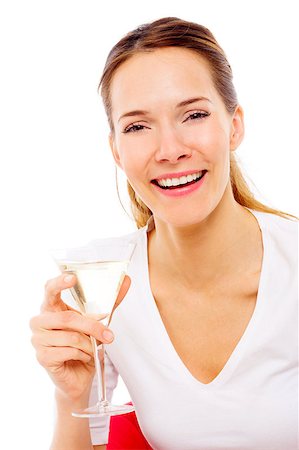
<point>213,248</point>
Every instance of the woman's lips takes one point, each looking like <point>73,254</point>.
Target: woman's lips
<point>182,189</point>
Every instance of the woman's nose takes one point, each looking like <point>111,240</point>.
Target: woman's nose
<point>170,148</point>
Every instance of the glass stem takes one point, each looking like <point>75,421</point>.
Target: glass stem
<point>99,361</point>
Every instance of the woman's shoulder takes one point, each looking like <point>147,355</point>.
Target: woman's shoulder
<point>276,223</point>
<point>281,233</point>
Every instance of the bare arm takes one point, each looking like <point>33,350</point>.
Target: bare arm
<point>70,432</point>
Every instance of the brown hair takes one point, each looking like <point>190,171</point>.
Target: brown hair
<point>174,32</point>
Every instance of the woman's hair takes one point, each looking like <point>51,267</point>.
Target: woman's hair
<point>174,32</point>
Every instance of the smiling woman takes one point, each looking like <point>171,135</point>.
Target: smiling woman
<point>200,338</point>
<point>173,34</point>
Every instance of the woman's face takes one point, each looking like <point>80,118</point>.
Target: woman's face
<point>173,135</point>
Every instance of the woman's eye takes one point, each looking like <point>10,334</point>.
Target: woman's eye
<point>197,115</point>
<point>133,128</point>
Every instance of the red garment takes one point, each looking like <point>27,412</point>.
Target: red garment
<point>125,433</point>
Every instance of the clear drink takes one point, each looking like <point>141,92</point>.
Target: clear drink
<point>98,284</point>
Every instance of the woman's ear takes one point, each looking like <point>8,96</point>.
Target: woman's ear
<point>237,129</point>
<point>114,150</point>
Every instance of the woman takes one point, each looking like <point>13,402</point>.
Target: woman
<point>207,331</point>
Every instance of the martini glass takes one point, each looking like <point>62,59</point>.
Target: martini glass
<point>100,271</point>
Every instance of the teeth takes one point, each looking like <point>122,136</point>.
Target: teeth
<point>168,182</point>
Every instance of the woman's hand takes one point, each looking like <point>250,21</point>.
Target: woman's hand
<point>61,337</point>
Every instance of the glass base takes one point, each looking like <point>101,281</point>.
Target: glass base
<point>103,409</point>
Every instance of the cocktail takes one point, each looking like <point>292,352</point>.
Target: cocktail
<point>100,270</point>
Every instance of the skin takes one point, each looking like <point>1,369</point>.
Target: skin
<point>207,222</point>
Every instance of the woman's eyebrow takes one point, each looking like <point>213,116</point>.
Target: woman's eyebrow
<point>137,112</point>
<point>189,101</point>
<point>140,112</point>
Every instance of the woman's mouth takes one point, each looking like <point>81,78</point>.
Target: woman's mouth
<point>179,182</point>
<point>177,185</point>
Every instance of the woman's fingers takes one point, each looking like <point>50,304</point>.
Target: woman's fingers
<point>53,288</point>
<point>59,338</point>
<point>72,320</point>
<point>52,358</point>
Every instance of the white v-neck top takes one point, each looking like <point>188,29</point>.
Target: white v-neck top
<point>252,404</point>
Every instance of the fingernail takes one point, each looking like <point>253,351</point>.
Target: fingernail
<point>108,336</point>
<point>69,278</point>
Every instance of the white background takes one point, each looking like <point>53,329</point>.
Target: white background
<point>56,173</point>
